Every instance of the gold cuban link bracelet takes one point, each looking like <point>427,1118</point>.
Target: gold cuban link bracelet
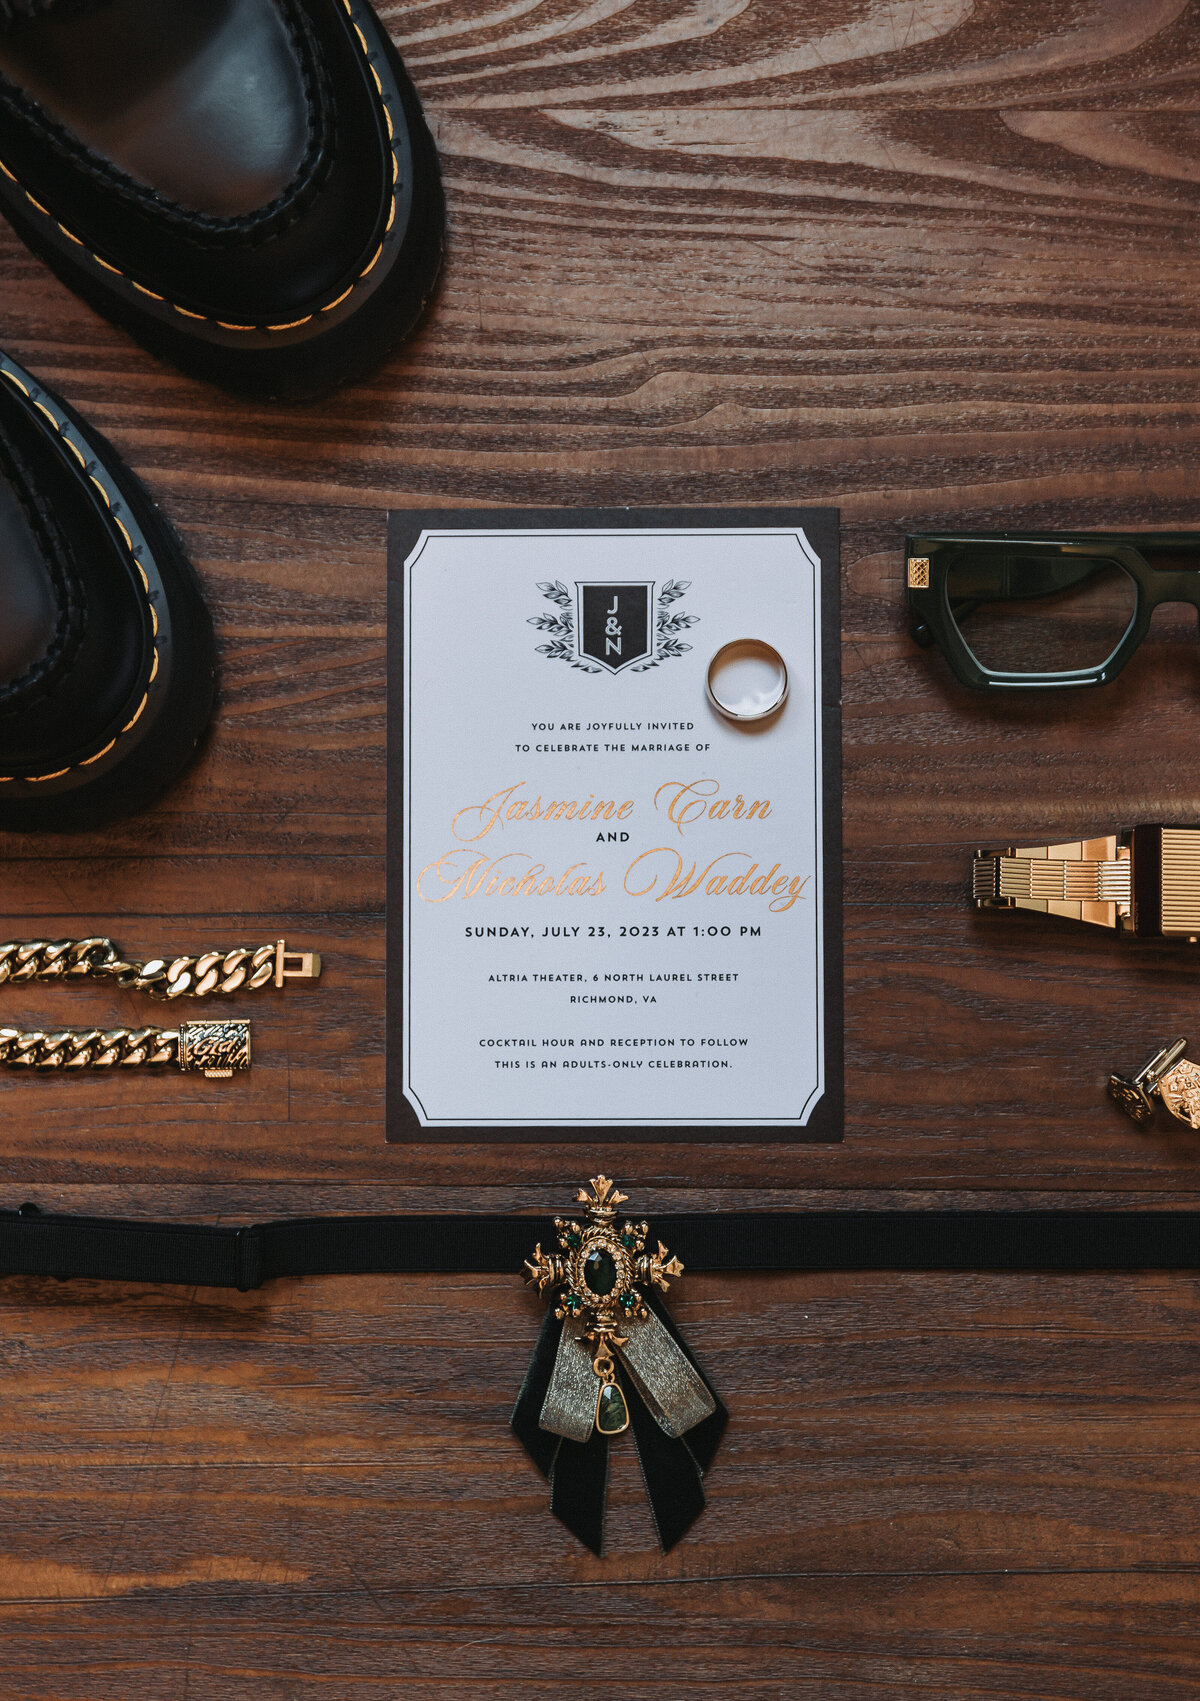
<point>215,1049</point>
<point>217,973</point>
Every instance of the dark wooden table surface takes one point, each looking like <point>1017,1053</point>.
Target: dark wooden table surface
<point>935,262</point>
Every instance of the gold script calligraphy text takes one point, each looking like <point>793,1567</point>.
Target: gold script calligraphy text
<point>477,819</point>
<point>661,871</point>
<point>458,875</point>
<point>695,800</point>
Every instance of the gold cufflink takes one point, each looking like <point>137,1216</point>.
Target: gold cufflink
<point>1170,1075</point>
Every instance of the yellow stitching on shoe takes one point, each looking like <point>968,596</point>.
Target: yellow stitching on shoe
<point>137,715</point>
<point>60,428</point>
<point>204,317</point>
<point>330,305</point>
<point>90,759</point>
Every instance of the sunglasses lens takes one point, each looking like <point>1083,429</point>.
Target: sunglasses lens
<point>1039,612</point>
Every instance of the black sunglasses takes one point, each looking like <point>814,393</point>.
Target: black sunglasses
<point>1012,611</point>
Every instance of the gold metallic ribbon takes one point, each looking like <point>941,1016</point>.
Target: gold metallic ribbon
<point>673,1392</point>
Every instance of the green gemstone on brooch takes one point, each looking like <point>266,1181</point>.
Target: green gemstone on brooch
<point>572,1303</point>
<point>627,1301</point>
<point>629,1241</point>
<point>612,1414</point>
<point>572,1240</point>
<point>600,1271</point>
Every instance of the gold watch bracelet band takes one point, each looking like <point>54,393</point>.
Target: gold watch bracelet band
<point>1084,879</point>
<point>1144,882</point>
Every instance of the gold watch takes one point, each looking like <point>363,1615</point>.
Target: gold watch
<point>1144,882</point>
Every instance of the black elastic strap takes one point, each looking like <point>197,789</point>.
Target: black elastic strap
<point>198,1255</point>
<point>936,1240</point>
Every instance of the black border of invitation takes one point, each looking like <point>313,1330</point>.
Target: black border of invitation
<point>821,527</point>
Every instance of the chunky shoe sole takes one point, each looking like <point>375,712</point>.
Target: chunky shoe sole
<point>335,343</point>
<point>125,767</point>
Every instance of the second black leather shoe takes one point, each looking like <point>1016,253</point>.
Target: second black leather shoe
<point>106,646</point>
<point>247,186</point>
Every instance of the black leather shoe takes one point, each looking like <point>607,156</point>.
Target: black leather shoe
<point>106,646</point>
<point>247,186</point>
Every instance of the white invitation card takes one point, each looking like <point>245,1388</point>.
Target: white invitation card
<point>613,908</point>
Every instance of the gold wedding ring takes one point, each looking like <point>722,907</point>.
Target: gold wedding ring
<point>747,680</point>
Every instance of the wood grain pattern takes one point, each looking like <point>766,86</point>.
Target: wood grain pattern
<point>932,261</point>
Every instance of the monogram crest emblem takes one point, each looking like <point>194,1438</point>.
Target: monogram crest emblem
<point>611,625</point>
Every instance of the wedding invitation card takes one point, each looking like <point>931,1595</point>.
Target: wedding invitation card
<point>614,901</point>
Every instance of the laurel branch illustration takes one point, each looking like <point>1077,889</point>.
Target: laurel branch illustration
<point>560,627</point>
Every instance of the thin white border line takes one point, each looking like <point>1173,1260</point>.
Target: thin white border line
<point>815,564</point>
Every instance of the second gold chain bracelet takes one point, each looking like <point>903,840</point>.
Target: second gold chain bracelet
<point>215,1049</point>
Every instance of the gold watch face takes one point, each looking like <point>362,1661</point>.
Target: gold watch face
<point>1180,1091</point>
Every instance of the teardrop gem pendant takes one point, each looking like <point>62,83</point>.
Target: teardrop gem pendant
<point>612,1414</point>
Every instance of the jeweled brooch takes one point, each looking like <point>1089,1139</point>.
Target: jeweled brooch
<point>608,1359</point>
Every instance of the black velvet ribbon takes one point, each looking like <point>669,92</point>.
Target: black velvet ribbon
<point>672,1467</point>
<point>37,1243</point>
